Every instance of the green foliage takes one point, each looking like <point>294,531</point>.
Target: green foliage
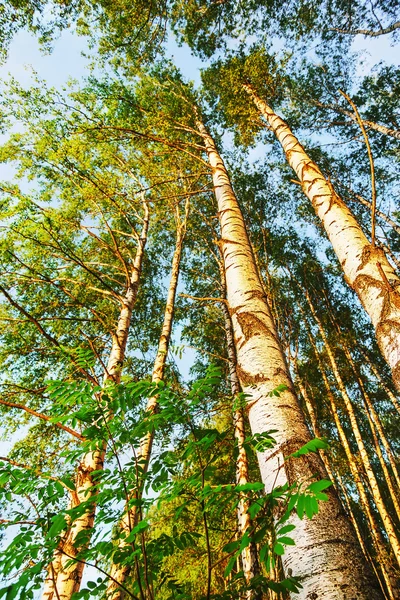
<point>186,480</point>
<point>223,83</point>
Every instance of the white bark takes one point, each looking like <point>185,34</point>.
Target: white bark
<point>375,489</point>
<point>326,555</point>
<point>65,575</point>
<point>119,571</point>
<point>366,267</point>
<point>250,563</point>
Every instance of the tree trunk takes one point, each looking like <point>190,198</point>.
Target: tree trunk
<point>326,555</point>
<point>250,563</point>
<point>377,428</point>
<point>366,268</point>
<point>382,554</point>
<point>376,493</point>
<point>388,391</point>
<point>65,575</point>
<point>129,520</point>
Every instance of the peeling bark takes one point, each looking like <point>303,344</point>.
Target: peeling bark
<point>326,556</point>
<point>366,267</point>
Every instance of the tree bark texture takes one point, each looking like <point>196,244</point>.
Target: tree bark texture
<point>326,556</point>
<point>65,575</point>
<point>383,557</point>
<point>375,489</point>
<point>366,267</point>
<point>119,571</point>
<point>250,563</point>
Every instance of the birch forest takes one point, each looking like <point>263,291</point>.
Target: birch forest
<point>200,302</point>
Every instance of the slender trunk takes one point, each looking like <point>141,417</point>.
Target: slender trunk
<point>388,391</point>
<point>326,555</point>
<point>376,493</point>
<point>65,575</point>
<point>379,576</point>
<point>120,571</point>
<point>375,424</point>
<point>314,424</point>
<point>366,267</point>
<point>250,563</point>
<point>390,254</point>
<point>383,557</point>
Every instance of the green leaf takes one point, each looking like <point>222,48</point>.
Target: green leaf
<point>300,506</point>
<point>286,540</point>
<point>311,506</point>
<point>282,387</point>
<point>231,547</point>
<point>311,446</point>
<point>320,485</point>
<point>230,565</point>
<point>286,529</point>
<point>58,524</point>
<point>68,482</point>
<point>279,549</point>
<point>256,486</point>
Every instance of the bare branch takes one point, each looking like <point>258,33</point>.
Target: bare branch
<point>371,163</point>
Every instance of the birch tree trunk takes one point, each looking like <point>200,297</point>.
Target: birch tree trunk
<point>250,563</point>
<point>376,493</point>
<point>366,267</point>
<point>392,397</point>
<point>382,554</point>
<point>326,555</point>
<point>65,572</point>
<point>377,428</point>
<point>119,571</point>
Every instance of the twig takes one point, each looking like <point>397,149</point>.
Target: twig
<point>371,162</point>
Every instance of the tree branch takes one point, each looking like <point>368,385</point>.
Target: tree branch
<point>42,416</point>
<point>367,32</point>
<point>371,163</point>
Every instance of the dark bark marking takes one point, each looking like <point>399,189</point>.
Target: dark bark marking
<point>252,325</point>
<point>247,379</point>
<point>370,253</point>
<point>256,294</point>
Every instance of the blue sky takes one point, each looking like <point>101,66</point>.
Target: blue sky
<point>66,61</point>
